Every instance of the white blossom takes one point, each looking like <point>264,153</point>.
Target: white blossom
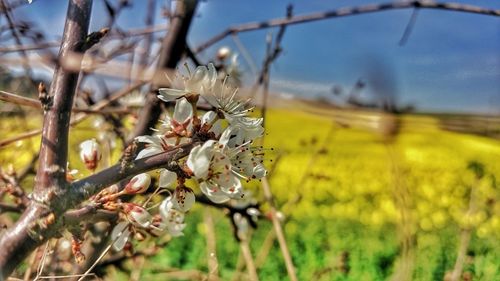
<point>154,145</point>
<point>222,96</point>
<point>180,122</point>
<point>195,83</point>
<point>212,168</point>
<point>173,219</point>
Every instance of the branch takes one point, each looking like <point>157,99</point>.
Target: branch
<point>347,11</point>
<point>79,118</point>
<point>24,236</point>
<point>54,147</point>
<point>4,208</point>
<point>18,241</point>
<point>46,45</point>
<point>20,100</point>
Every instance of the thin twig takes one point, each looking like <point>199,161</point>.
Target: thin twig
<point>409,27</point>
<point>17,39</point>
<point>213,272</point>
<point>247,255</point>
<point>41,265</point>
<point>20,100</point>
<point>279,231</point>
<point>106,250</point>
<point>246,55</point>
<point>78,118</point>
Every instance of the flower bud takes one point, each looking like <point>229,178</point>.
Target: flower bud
<point>223,53</point>
<point>90,154</point>
<point>138,184</point>
<point>137,215</point>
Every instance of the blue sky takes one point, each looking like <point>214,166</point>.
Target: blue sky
<point>451,62</point>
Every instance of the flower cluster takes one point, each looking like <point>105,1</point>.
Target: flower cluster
<point>222,155</point>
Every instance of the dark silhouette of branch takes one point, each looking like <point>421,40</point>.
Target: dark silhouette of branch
<point>17,39</point>
<point>347,11</point>
<point>409,27</point>
<point>272,54</point>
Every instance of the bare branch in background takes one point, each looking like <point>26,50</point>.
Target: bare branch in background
<point>78,118</point>
<point>17,39</point>
<point>347,11</point>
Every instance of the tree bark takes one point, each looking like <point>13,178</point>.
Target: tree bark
<point>18,241</point>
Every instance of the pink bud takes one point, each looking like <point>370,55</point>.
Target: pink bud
<point>138,184</point>
<point>137,214</point>
<point>90,154</point>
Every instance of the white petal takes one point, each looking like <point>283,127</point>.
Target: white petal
<point>148,151</point>
<point>233,189</point>
<point>184,199</point>
<point>259,171</point>
<point>199,159</point>
<point>211,76</point>
<point>148,139</point>
<point>120,235</point>
<point>214,196</point>
<point>208,117</point>
<point>217,128</point>
<point>226,136</point>
<point>168,94</point>
<point>167,178</point>
<point>183,110</point>
<point>165,207</point>
<point>175,230</point>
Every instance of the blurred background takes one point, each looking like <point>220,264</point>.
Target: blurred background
<point>384,128</point>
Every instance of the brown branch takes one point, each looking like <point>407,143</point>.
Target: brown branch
<point>272,54</point>
<point>347,11</point>
<point>54,147</point>
<point>20,100</point>
<point>4,208</point>
<point>17,242</point>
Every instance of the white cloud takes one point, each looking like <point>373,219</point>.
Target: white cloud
<point>300,87</point>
